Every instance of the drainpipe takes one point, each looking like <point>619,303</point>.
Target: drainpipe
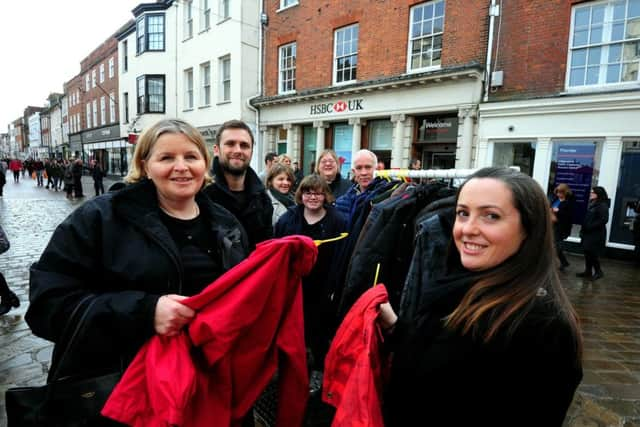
<point>258,134</point>
<point>494,10</point>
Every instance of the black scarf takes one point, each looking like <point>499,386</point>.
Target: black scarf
<point>285,199</point>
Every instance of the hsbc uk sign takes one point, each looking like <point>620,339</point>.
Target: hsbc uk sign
<point>337,107</point>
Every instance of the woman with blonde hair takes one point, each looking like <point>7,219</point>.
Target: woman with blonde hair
<point>328,167</point>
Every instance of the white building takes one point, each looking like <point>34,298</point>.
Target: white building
<point>35,134</point>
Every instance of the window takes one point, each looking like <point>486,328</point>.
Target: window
<point>225,79</point>
<point>93,78</point>
<point>205,76</point>
<point>205,17</point>
<point>103,111</point>
<point>102,73</point>
<point>112,107</point>
<point>604,46</point>
<point>125,98</point>
<point>287,81</point>
<point>125,56</point>
<point>150,94</point>
<point>95,112</point>
<point>188,19</point>
<point>223,12</point>
<point>287,3</point>
<point>88,115</point>
<point>425,35</point>
<point>86,83</point>
<point>111,67</point>
<point>188,89</point>
<point>345,54</point>
<point>150,33</point>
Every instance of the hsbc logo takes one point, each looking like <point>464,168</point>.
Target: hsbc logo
<point>337,107</point>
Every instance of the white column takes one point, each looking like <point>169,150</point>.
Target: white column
<point>542,162</point>
<point>482,154</point>
<point>321,126</point>
<point>609,170</point>
<point>466,120</point>
<point>396,143</point>
<point>356,138</point>
<point>289,129</point>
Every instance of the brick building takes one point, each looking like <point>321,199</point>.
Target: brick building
<point>402,78</point>
<point>75,117</point>
<point>564,101</point>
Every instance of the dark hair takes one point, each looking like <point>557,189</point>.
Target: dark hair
<point>601,193</point>
<point>414,162</point>
<point>503,296</point>
<point>234,124</point>
<point>269,157</point>
<point>314,182</point>
<point>278,169</point>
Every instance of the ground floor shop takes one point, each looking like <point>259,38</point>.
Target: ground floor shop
<point>581,140</point>
<point>111,151</point>
<point>428,117</point>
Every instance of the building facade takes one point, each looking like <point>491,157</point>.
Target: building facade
<point>565,101</point>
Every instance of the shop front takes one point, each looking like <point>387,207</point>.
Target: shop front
<point>107,148</point>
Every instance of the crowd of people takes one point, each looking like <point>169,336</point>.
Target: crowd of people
<point>495,332</point>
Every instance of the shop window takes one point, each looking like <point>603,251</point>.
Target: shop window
<point>345,56</point>
<point>282,141</point>
<point>521,154</point>
<point>342,142</point>
<point>627,194</point>
<point>381,140</point>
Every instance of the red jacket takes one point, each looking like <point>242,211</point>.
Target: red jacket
<point>353,367</point>
<point>249,323</point>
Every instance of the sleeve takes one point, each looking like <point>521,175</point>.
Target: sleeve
<point>67,271</point>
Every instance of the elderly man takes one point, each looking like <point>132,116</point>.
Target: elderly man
<point>364,164</point>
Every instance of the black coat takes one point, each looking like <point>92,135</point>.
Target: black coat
<point>256,215</point>
<point>116,247</point>
<point>594,227</point>
<point>339,186</point>
<point>564,220</point>
<point>444,378</point>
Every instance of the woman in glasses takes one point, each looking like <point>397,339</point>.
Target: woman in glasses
<point>328,167</point>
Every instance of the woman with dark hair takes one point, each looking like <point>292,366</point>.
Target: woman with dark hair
<point>496,341</point>
<point>561,216</point>
<point>279,183</point>
<point>593,233</point>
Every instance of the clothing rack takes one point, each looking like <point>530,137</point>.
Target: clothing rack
<point>429,173</point>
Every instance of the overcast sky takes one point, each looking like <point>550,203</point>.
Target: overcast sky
<point>42,43</point>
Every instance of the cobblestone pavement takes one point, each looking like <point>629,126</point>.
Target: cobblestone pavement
<point>609,308</point>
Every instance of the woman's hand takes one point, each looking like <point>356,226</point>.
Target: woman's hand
<point>387,317</point>
<point>171,315</point>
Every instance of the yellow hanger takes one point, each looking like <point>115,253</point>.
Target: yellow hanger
<point>333,239</point>
<point>375,280</point>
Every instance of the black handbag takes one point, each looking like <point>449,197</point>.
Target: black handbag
<point>62,402</point>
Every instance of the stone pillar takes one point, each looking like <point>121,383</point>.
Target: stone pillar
<point>356,138</point>
<point>467,115</point>
<point>542,162</point>
<point>609,170</point>
<point>289,130</point>
<point>396,144</point>
<point>321,126</point>
<point>482,154</point>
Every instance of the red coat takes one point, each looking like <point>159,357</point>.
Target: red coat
<point>353,367</point>
<point>249,323</point>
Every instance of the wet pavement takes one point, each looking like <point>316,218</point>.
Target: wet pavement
<point>609,395</point>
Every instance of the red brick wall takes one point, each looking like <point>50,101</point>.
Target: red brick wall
<point>533,47</point>
<point>383,37</point>
<point>70,87</point>
<point>101,55</point>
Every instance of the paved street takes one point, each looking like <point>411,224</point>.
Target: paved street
<point>609,308</point>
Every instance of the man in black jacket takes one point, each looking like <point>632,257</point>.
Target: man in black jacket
<point>236,186</point>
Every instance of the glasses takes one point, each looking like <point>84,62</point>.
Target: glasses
<point>310,194</point>
<point>328,162</point>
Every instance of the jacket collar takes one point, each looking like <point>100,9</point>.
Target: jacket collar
<point>252,183</point>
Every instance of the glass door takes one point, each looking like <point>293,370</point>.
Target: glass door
<point>342,140</point>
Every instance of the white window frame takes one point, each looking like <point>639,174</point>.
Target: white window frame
<point>284,67</point>
<point>286,4</point>
<point>188,19</point>
<point>95,113</point>
<point>93,78</point>
<point>598,54</point>
<point>87,83</point>
<point>112,107</point>
<point>103,111</point>
<point>339,44</point>
<point>205,83</point>
<point>112,68</point>
<point>205,15</point>
<point>431,36</point>
<point>101,73</point>
<point>224,10</point>
<point>88,115</point>
<point>188,89</point>
<point>225,79</point>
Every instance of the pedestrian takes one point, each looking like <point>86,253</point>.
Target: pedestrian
<point>329,169</point>
<point>136,254</point>
<point>269,160</point>
<point>15,165</point>
<point>76,171</point>
<point>415,164</point>
<point>97,174</point>
<point>496,341</point>
<point>561,217</point>
<point>8,299</point>
<point>593,233</point>
<point>68,179</point>
<point>279,184</point>
<point>236,186</point>
<point>3,176</point>
<point>57,172</point>
<point>48,168</point>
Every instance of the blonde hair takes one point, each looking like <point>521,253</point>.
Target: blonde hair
<point>283,157</point>
<point>148,140</point>
<point>564,188</point>
<point>327,152</point>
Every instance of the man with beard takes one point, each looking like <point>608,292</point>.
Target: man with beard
<point>236,186</point>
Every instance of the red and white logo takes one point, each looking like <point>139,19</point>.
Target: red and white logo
<point>340,106</point>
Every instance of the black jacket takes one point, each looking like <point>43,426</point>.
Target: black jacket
<point>339,186</point>
<point>564,220</point>
<point>594,227</point>
<point>116,247</point>
<point>256,215</point>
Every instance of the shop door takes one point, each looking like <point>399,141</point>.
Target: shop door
<point>342,140</point>
<point>627,194</point>
<point>309,150</point>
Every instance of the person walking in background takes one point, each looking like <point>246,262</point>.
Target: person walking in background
<point>15,166</point>
<point>38,168</point>
<point>561,216</point>
<point>593,234</point>
<point>3,176</point>
<point>68,178</point>
<point>48,168</point>
<point>97,173</point>
<point>279,184</point>
<point>76,171</point>
<point>496,341</point>
<point>8,299</point>
<point>269,160</point>
<point>415,164</point>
